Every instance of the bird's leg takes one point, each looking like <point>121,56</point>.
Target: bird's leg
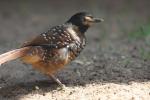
<point>57,81</point>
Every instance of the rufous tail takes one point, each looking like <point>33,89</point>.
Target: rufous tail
<point>13,54</point>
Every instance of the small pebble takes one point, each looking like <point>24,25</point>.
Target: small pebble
<point>37,88</point>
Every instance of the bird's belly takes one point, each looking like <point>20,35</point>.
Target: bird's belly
<point>51,65</point>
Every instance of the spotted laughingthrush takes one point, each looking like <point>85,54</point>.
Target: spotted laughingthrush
<point>52,50</point>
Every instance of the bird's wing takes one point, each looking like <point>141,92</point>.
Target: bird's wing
<point>56,37</point>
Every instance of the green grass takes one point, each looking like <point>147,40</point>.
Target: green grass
<point>144,54</point>
<point>140,32</point>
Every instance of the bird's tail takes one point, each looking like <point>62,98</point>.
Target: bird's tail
<point>13,54</point>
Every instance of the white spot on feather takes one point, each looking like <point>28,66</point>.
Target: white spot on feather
<point>53,38</point>
<point>64,53</point>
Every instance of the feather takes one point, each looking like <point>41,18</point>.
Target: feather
<point>13,54</point>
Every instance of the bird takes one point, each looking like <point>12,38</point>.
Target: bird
<point>50,51</point>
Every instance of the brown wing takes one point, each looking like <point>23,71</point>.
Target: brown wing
<point>36,41</point>
<point>56,37</point>
<point>46,45</point>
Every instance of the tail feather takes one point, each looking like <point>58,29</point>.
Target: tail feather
<point>14,54</point>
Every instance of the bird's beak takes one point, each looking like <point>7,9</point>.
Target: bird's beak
<point>97,20</point>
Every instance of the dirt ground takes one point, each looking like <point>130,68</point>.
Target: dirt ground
<point>115,65</point>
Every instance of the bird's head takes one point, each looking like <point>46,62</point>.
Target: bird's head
<point>83,20</point>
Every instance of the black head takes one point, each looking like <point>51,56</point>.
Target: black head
<point>83,20</point>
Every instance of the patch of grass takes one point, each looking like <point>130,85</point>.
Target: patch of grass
<point>140,32</point>
<point>143,32</point>
<point>126,62</point>
<point>144,54</point>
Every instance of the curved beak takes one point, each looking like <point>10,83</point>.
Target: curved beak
<point>97,20</point>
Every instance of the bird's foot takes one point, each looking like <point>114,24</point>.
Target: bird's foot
<point>62,86</point>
